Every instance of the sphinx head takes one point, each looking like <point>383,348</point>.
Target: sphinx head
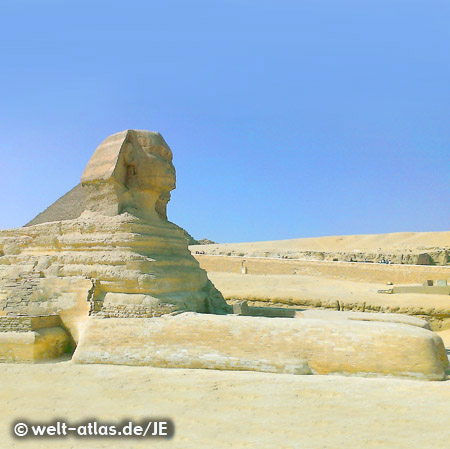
<point>131,171</point>
<point>148,162</point>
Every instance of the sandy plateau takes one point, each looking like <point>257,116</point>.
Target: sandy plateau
<point>223,409</point>
<point>338,272</point>
<point>399,247</point>
<point>102,271</point>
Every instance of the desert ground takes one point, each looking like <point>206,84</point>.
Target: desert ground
<point>222,409</point>
<point>301,273</point>
<point>226,409</point>
<point>401,241</point>
<point>276,288</point>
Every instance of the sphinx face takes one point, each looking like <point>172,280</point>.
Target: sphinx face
<point>149,162</point>
<point>156,173</point>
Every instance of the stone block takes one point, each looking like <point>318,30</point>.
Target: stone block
<point>32,346</point>
<point>241,308</point>
<point>280,345</point>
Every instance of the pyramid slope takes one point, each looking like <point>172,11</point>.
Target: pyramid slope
<point>70,206</point>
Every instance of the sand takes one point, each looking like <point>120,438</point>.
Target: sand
<point>283,286</point>
<point>445,335</point>
<point>363,242</point>
<point>223,409</point>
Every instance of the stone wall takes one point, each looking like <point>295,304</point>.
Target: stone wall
<point>15,324</point>
<point>136,310</point>
<point>28,346</point>
<point>364,272</point>
<point>28,323</point>
<point>431,290</point>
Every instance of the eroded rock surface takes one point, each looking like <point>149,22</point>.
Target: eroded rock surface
<point>277,345</point>
<point>120,258</point>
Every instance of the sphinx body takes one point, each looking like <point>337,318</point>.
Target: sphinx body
<point>120,258</point>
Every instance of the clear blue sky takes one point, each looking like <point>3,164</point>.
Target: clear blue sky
<point>286,118</point>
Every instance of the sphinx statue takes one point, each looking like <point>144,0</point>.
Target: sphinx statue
<point>131,174</point>
<point>103,271</point>
<point>119,256</point>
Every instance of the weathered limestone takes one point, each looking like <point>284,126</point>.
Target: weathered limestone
<point>437,289</point>
<point>120,258</point>
<point>365,272</point>
<point>131,171</point>
<point>30,339</point>
<point>279,345</point>
<point>241,308</point>
<point>362,316</point>
<point>33,346</point>
<point>311,284</point>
